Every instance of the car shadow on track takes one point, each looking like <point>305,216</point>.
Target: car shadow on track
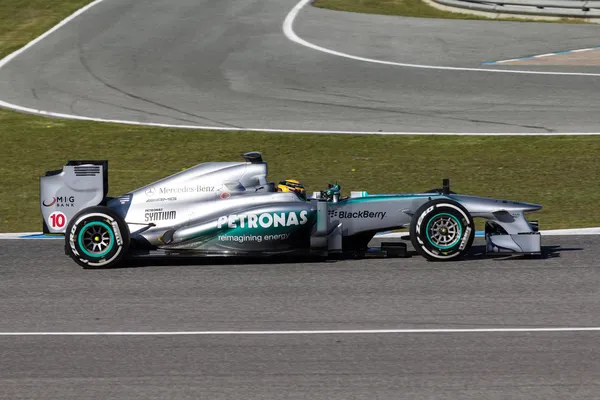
<point>212,261</point>
<point>478,253</point>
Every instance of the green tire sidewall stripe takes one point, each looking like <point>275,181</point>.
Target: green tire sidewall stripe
<point>80,241</point>
<point>457,239</point>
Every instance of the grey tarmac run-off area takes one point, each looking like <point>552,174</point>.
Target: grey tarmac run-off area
<point>43,291</point>
<point>228,64</point>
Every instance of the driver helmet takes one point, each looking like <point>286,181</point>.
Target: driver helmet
<point>292,185</point>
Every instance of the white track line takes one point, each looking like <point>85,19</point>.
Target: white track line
<point>17,235</point>
<point>569,232</point>
<point>289,32</point>
<point>309,332</point>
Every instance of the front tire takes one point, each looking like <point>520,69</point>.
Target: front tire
<point>97,237</point>
<point>442,230</point>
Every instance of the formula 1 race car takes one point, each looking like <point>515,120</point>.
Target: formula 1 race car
<point>231,209</point>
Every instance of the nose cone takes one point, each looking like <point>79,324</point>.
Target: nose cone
<point>482,205</point>
<point>533,207</point>
<point>509,205</point>
<point>517,206</point>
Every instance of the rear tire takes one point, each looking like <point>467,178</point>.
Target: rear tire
<point>442,230</point>
<point>97,237</point>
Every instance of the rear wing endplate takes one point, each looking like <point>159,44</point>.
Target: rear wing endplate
<point>64,192</point>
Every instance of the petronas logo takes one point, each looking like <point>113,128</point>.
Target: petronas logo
<point>264,220</point>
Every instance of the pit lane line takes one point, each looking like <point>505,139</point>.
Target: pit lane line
<point>291,35</point>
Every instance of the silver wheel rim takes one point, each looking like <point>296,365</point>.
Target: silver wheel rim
<point>96,239</point>
<point>444,231</point>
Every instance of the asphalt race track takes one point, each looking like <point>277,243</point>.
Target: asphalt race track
<point>228,64</point>
<point>43,291</point>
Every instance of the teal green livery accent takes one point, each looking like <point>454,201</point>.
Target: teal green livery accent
<point>386,197</point>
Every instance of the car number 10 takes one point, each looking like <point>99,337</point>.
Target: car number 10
<point>57,220</point>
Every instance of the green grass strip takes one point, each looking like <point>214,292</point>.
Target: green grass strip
<point>559,172</point>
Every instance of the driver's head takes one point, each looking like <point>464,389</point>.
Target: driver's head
<point>292,185</point>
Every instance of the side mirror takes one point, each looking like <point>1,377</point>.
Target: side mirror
<point>446,186</point>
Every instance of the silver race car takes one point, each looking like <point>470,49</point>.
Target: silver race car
<point>231,209</point>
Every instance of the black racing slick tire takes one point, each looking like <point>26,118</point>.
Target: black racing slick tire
<point>97,237</point>
<point>442,230</point>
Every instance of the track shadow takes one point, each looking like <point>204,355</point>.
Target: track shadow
<point>159,261</point>
<point>478,253</point>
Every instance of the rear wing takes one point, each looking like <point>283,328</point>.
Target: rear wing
<point>64,192</point>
